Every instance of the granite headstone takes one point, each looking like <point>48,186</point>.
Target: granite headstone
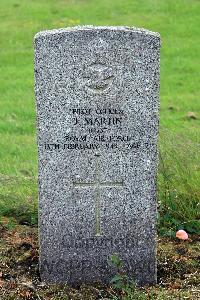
<point>97,95</point>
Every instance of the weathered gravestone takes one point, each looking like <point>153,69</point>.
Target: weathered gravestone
<point>97,92</point>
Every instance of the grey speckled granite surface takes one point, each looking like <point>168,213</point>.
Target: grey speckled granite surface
<point>97,95</point>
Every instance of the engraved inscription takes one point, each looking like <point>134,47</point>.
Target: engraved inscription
<point>97,185</point>
<point>95,134</point>
<point>102,242</point>
<point>99,77</point>
<point>95,123</point>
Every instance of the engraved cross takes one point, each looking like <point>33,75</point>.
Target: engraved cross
<point>97,185</point>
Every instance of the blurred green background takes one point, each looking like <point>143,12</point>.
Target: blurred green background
<point>178,22</point>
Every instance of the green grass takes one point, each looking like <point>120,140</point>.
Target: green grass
<point>178,23</point>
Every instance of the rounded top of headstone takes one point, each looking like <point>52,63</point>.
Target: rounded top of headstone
<point>143,31</point>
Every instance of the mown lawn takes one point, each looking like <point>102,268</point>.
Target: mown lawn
<point>178,23</point>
